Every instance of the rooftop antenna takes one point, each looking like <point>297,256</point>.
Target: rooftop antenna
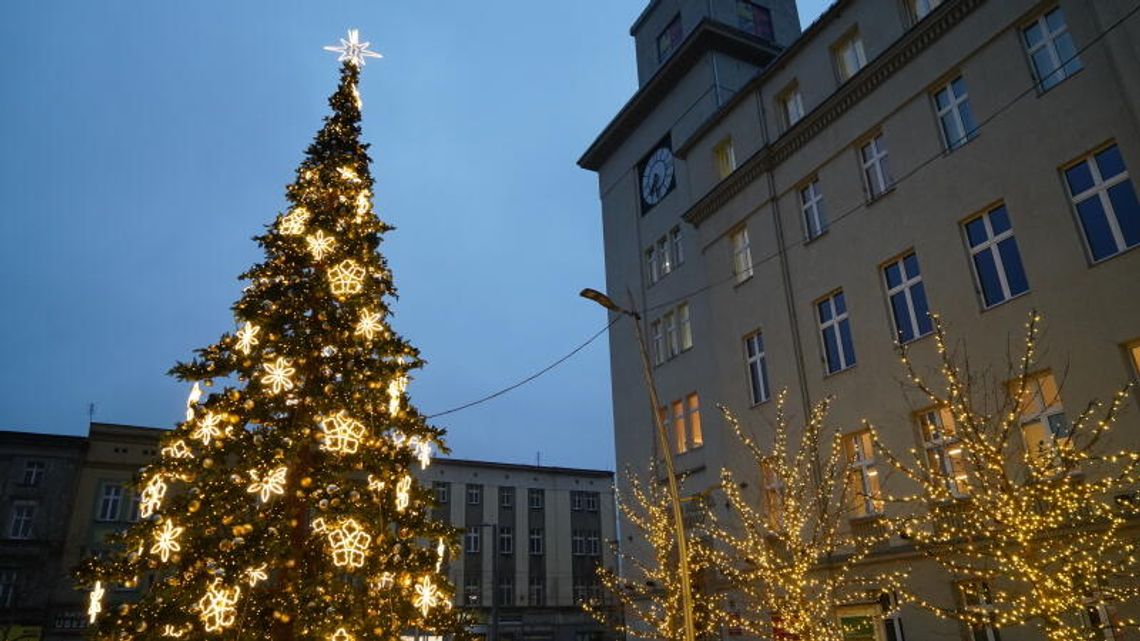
<point>538,459</point>
<point>90,412</point>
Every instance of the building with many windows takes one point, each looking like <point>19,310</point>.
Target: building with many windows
<point>820,193</point>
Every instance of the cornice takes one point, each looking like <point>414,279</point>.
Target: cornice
<point>870,78</point>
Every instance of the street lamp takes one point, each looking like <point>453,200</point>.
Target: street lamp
<point>667,452</point>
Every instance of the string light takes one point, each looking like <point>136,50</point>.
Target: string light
<point>341,635</point>
<point>278,375</point>
<point>396,387</point>
<point>169,630</point>
<point>342,434</point>
<point>363,205</point>
<point>218,606</point>
<point>293,224</point>
<point>166,541</point>
<point>346,278</point>
<point>440,551</point>
<point>95,601</point>
<point>421,450</point>
<point>386,580</point>
<point>349,543</point>
<point>369,324</point>
<point>177,450</point>
<point>247,337</point>
<point>273,483</point>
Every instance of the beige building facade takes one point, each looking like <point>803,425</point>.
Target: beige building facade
<point>785,206</point>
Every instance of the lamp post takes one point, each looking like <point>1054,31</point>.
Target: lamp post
<point>667,455</point>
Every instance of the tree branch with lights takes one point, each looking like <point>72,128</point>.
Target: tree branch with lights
<point>1027,512</point>
<point>284,506</point>
<point>794,563</point>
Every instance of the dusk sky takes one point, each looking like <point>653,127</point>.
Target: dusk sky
<point>145,143</point>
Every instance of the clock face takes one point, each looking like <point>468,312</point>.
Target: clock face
<point>657,176</point>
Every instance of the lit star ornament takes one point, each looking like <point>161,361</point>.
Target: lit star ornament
<point>396,387</point>
<point>273,483</point>
<point>218,606</point>
<point>320,244</point>
<point>369,324</point>
<point>349,543</point>
<point>353,51</point>
<point>95,603</point>
<point>278,375</point>
<point>167,541</point>
<point>208,430</point>
<point>177,449</point>
<point>427,595</point>
<point>341,635</point>
<point>247,337</point>
<point>403,487</point>
<point>293,223</point>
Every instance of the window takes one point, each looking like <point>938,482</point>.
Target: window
<point>877,176</point>
<point>34,472</point>
<point>133,510</point>
<point>506,591</point>
<point>1101,616</point>
<point>652,270</point>
<point>471,540</point>
<point>1043,423</point>
<point>536,541</point>
<point>580,593</point>
<point>669,39</point>
<point>686,418</point>
<point>471,590</point>
<point>1050,48</point>
<point>664,255</point>
<point>20,527</point>
<point>835,329</point>
<point>672,337</point>
<point>8,580</point>
<point>773,487</point>
<point>741,255</point>
<point>944,456</point>
<point>994,254</point>
<point>576,501</point>
<point>757,366</point>
<point>686,326</point>
<point>442,492</point>
<point>754,19</point>
<point>864,497</point>
<point>920,8</point>
<point>849,58</point>
<point>506,540</point>
<point>859,622</point>
<point>658,339</point>
<point>1105,201</point>
<point>907,297</point>
<point>975,596</point>
<point>725,157</point>
<point>591,501</point>
<point>109,502</point>
<point>506,497</point>
<point>791,105</point>
<point>593,543</point>
<point>578,543</point>
<point>474,494</point>
<point>678,249</point>
<point>671,334</point>
<point>535,593</point>
<point>954,115</point>
<point>535,498</point>
<point>1133,350</point>
<point>811,203</point>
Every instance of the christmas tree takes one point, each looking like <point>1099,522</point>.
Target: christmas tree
<point>284,506</point>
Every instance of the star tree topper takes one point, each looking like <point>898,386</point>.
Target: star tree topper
<point>353,50</point>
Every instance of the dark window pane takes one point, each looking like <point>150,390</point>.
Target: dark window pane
<point>903,328</point>
<point>942,99</point>
<point>910,265</point>
<point>1014,272</point>
<point>1067,53</point>
<point>840,303</point>
<point>1123,198</point>
<point>754,381</point>
<point>848,344</point>
<point>954,136</point>
<point>764,379</point>
<point>1033,34</point>
<point>825,310</point>
<point>894,275</point>
<point>999,220</point>
<point>921,310</point>
<point>1097,232</point>
<point>831,347</point>
<point>968,119</point>
<point>1109,162</point>
<point>988,278</point>
<point>976,232</point>
<point>750,347</point>
<point>1079,178</point>
<point>1055,19</point>
<point>959,87</point>
<point>759,343</point>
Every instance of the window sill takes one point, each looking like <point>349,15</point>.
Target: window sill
<point>741,281</point>
<point>761,403</point>
<point>838,371</point>
<point>1100,261</point>
<point>1004,302</point>
<point>915,340</point>
<point>881,195</point>
<point>1041,91</point>
<point>811,239</point>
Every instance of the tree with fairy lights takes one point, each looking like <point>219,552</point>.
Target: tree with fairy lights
<point>284,506</point>
<point>791,564</point>
<point>1027,512</point>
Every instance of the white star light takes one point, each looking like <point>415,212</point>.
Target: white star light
<point>353,50</point>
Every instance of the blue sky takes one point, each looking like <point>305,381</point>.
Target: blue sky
<point>144,144</point>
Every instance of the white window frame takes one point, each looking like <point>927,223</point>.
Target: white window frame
<point>724,157</point>
<point>984,604</point>
<point>442,492</point>
<point>685,326</point>
<point>1034,408</point>
<point>1099,190</point>
<point>741,254</point>
<point>665,255</point>
<point>792,105</point>
<point>34,472</point>
<point>905,287</point>
<point>657,341</point>
<point>875,160</point>
<point>811,204</point>
<point>991,245</point>
<point>677,246</point>
<point>1049,42</point>
<point>110,502</point>
<point>853,43</point>
<point>921,8</point>
<point>506,590</point>
<point>834,321</point>
<point>861,466</point>
<point>535,498</point>
<point>578,543</point>
<point>755,364</point>
<point>474,494</point>
<point>944,457</point>
<point>954,110</point>
<point>22,520</point>
<point>536,542</point>
<point>672,335</point>
<point>506,497</point>
<point>472,591</point>
<point>652,270</point>
<point>576,501</point>
<point>592,501</point>
<point>471,542</point>
<point>536,590</point>
<point>506,540</point>
<point>593,543</point>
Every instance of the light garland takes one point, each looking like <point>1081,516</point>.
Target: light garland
<point>341,635</point>
<point>278,375</point>
<point>403,487</point>
<point>273,483</point>
<point>342,433</point>
<point>440,552</point>
<point>218,606</point>
<point>396,388</point>
<point>349,543</point>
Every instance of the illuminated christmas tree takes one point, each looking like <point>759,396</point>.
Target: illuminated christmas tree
<point>791,563</point>
<point>284,506</point>
<point>1028,512</point>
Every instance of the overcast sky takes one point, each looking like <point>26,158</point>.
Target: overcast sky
<point>144,143</point>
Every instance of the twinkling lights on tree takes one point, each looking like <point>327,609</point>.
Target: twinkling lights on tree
<point>774,558</point>
<point>282,504</point>
<point>1034,534</point>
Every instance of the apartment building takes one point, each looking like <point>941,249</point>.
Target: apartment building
<point>787,206</point>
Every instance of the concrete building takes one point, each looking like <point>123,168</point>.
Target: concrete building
<point>536,533</point>
<point>784,206</point>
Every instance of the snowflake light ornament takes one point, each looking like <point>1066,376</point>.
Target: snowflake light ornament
<point>320,244</point>
<point>255,575</point>
<point>349,543</point>
<point>278,375</point>
<point>353,51</point>
<point>166,541</point>
<point>369,324</point>
<point>293,223</point>
<point>273,483</point>
<point>403,489</point>
<point>169,630</point>
<point>363,205</point>
<point>150,499</point>
<point>343,433</point>
<point>208,429</point>
<point>177,449</point>
<point>421,449</point>
<point>95,601</point>
<point>218,606</point>
<point>346,278</point>
<point>427,595</point>
<point>385,581</point>
<point>247,337</point>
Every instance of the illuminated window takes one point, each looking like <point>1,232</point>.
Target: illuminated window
<point>664,255</point>
<point>877,176</point>
<point>669,39</point>
<point>696,437</point>
<point>1105,203</point>
<point>1050,47</point>
<point>685,322</point>
<point>864,496</point>
<point>741,255</point>
<point>773,495</point>
<point>109,502</point>
<point>1044,425</point>
<point>686,420</point>
<point>944,456</point>
<point>907,297</point>
<point>849,57</point>
<point>811,203</point>
<point>976,598</point>
<point>725,157</point>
